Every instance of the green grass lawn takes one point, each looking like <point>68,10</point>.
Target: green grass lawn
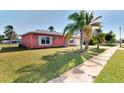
<point>114,70</point>
<point>10,48</point>
<point>122,45</point>
<point>39,65</point>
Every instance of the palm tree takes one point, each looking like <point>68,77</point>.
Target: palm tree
<point>78,22</point>
<point>10,33</point>
<point>51,28</point>
<point>99,36</point>
<point>91,21</point>
<point>82,22</point>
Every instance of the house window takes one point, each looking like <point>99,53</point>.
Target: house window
<point>71,41</point>
<point>45,40</point>
<point>42,40</point>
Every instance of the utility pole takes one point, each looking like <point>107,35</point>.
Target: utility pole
<point>120,35</point>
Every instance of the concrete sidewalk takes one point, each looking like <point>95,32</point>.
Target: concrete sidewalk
<point>87,71</point>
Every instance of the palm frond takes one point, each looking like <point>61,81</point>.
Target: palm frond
<point>87,18</point>
<point>102,38</point>
<point>67,36</point>
<point>91,16</point>
<point>99,31</point>
<point>68,27</point>
<point>70,30</point>
<point>95,19</point>
<point>96,24</point>
<point>74,16</point>
<point>82,15</point>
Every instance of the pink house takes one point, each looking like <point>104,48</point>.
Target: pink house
<point>43,39</point>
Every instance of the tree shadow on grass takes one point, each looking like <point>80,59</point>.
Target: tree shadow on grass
<point>56,64</point>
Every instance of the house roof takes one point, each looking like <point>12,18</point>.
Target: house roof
<point>38,31</point>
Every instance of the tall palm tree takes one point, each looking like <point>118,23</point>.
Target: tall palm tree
<point>51,28</point>
<point>78,22</point>
<point>91,21</point>
<point>82,22</point>
<point>99,36</point>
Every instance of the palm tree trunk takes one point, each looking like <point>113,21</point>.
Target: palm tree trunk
<point>65,43</point>
<point>98,44</point>
<point>11,38</point>
<point>86,44</point>
<point>81,41</point>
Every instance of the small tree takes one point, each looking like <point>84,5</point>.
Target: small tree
<point>110,38</point>
<point>2,37</point>
<point>99,36</point>
<point>51,28</point>
<point>9,32</point>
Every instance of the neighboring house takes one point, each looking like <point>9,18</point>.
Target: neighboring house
<point>17,41</point>
<point>43,39</point>
<point>74,41</point>
<point>6,42</point>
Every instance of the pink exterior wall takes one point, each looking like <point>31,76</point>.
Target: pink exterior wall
<point>26,40</point>
<point>59,41</point>
<point>77,41</point>
<point>34,38</point>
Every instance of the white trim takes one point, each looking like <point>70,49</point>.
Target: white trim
<point>45,37</point>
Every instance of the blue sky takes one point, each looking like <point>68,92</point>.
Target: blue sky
<point>24,21</point>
